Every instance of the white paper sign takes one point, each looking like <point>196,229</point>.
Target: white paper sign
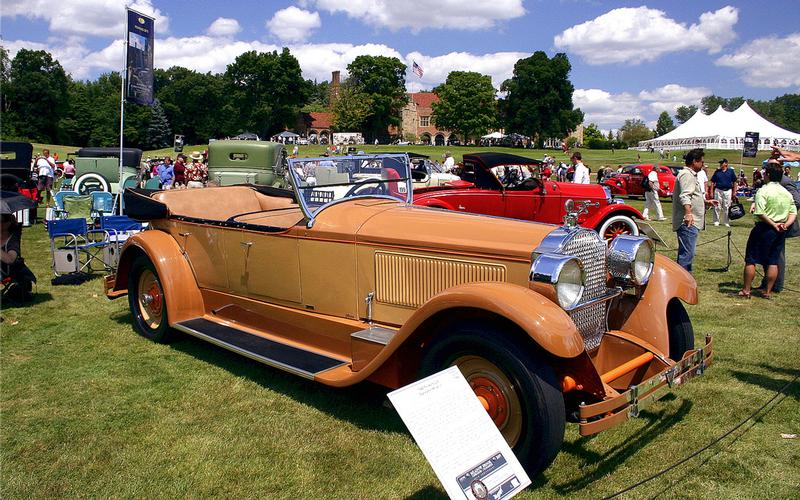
<point>459,439</point>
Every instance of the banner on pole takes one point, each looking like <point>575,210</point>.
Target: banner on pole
<point>139,68</point>
<point>750,144</point>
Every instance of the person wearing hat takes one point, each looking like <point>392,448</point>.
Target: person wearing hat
<point>723,184</point>
<point>196,171</point>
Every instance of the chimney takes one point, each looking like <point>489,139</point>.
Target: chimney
<point>334,89</point>
<point>335,78</point>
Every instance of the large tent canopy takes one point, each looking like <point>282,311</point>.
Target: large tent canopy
<point>724,130</point>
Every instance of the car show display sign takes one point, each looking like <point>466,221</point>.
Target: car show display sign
<point>750,144</point>
<point>458,438</point>
<point>139,66</point>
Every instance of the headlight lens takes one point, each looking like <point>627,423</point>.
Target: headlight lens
<point>564,273</point>
<point>630,259</point>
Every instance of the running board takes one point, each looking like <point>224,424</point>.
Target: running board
<point>292,359</point>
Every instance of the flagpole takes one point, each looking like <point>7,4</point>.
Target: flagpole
<point>123,75</point>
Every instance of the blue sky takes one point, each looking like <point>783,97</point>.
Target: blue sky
<point>629,59</point>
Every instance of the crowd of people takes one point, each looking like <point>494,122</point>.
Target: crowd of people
<point>184,173</point>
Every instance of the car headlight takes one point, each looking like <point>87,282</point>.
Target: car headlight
<point>564,273</point>
<point>630,259</point>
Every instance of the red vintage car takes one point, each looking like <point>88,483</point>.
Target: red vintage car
<point>629,181</point>
<point>507,185</point>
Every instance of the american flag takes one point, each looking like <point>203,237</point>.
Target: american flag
<point>417,69</point>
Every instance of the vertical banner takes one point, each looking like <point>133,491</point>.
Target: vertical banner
<point>139,70</point>
<point>750,144</point>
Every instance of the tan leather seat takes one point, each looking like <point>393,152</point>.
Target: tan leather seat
<point>219,203</point>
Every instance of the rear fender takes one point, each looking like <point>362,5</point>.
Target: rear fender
<point>183,297</point>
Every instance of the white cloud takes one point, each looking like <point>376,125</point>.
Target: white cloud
<point>499,65</point>
<point>293,25</point>
<point>634,35</point>
<point>767,62</point>
<point>609,111</point>
<point>417,15</point>
<point>224,26</point>
<point>669,97</point>
<point>84,17</point>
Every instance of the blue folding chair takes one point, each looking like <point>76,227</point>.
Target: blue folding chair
<point>73,246</point>
<point>102,203</point>
<point>117,229</point>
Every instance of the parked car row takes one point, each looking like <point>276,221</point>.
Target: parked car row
<point>347,277</point>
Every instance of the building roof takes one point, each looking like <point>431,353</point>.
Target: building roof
<point>424,99</point>
<point>318,119</point>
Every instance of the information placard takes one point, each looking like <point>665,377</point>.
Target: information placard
<point>460,441</point>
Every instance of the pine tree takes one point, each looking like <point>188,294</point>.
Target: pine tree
<point>159,133</point>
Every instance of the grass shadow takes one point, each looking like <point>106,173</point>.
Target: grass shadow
<point>608,462</point>
<point>362,405</point>
<point>38,298</point>
<point>770,383</point>
<point>428,492</point>
<point>729,287</point>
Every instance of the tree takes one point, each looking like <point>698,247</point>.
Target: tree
<point>35,95</point>
<point>466,104</point>
<point>267,90</point>
<point>187,97</point>
<point>539,97</point>
<point>683,113</point>
<point>664,124</point>
<point>318,98</point>
<point>351,109</point>
<point>633,131</point>
<point>710,103</point>
<point>382,79</point>
<point>593,138</point>
<point>159,133</point>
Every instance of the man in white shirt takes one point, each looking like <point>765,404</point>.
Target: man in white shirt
<point>581,175</point>
<point>46,168</point>
<point>702,178</point>
<point>449,162</point>
<point>651,196</point>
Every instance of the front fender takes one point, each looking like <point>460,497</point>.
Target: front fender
<point>182,295</point>
<point>609,211</point>
<point>646,317</point>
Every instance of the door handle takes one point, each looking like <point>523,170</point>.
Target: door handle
<point>184,234</point>
<point>247,244</point>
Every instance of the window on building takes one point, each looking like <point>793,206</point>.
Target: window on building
<point>424,121</point>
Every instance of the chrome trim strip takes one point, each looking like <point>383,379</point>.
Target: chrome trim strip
<point>248,354</point>
<point>612,294</point>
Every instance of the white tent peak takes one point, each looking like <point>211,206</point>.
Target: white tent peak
<point>724,130</point>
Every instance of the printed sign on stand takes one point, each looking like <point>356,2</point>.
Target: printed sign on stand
<point>458,438</point>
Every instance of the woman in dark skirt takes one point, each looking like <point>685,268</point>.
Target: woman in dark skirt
<point>774,212</point>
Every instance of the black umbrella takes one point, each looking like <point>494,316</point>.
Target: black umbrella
<point>11,202</point>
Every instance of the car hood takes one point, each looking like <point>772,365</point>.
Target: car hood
<point>579,191</point>
<point>431,229</point>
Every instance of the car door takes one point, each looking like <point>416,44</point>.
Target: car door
<point>524,204</point>
<point>270,267</point>
<point>206,247</point>
<point>635,181</point>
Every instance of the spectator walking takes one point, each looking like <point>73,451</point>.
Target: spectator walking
<point>688,212</point>
<point>651,198</point>
<point>775,213</point>
<point>449,162</point>
<point>724,187</point>
<point>46,169</point>
<point>581,175</point>
<point>702,178</point>
<point>179,172</point>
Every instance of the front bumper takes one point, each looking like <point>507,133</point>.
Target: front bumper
<point>600,416</point>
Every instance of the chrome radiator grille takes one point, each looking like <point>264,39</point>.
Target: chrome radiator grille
<point>591,250</point>
<point>410,280</point>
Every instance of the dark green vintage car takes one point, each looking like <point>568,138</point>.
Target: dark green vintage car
<point>247,162</point>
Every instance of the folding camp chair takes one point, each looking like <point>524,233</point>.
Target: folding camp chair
<point>78,206</point>
<point>102,203</point>
<point>153,183</point>
<point>73,246</point>
<point>117,229</point>
<point>58,211</point>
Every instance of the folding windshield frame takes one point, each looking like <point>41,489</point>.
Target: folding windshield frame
<point>312,214</point>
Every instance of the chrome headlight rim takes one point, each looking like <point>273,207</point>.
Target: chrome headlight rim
<point>631,260</point>
<point>554,270</point>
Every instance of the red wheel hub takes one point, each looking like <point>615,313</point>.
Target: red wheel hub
<point>492,398</point>
<point>155,303</point>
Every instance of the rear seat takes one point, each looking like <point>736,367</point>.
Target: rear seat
<point>219,203</point>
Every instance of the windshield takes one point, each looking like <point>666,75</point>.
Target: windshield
<point>320,181</point>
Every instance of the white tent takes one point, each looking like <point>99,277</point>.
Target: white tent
<point>724,130</point>
<point>493,135</point>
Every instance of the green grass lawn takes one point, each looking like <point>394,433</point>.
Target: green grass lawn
<point>91,409</point>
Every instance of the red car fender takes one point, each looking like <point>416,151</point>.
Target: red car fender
<point>607,211</point>
<point>433,203</point>
<point>621,189</point>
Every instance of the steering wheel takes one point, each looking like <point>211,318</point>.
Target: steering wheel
<point>369,190</point>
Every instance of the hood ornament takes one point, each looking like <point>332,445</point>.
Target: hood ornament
<point>571,217</point>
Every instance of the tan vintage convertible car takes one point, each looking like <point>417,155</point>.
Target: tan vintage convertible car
<point>342,280</point>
